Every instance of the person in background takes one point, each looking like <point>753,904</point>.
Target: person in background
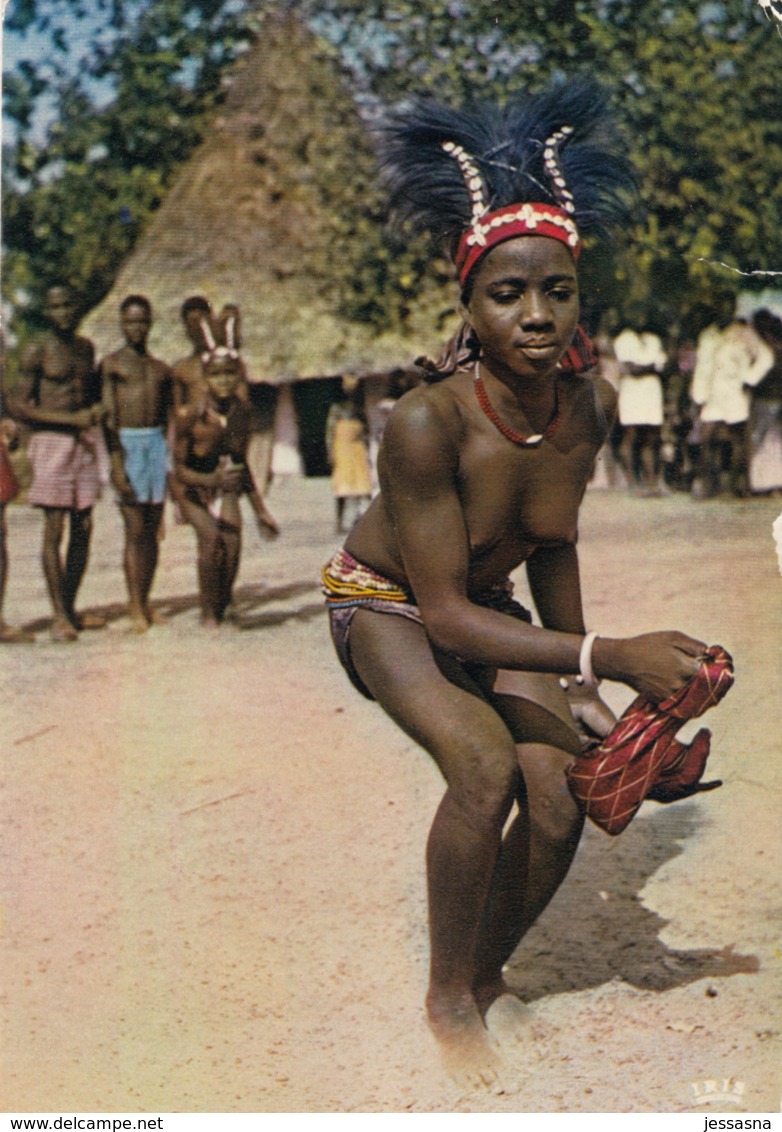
<point>678,417</point>
<point>137,395</point>
<point>765,418</point>
<point>641,357</point>
<point>259,448</point>
<point>347,446</point>
<point>187,373</point>
<point>608,466</point>
<point>729,364</point>
<point>210,465</point>
<point>9,489</point>
<point>58,395</point>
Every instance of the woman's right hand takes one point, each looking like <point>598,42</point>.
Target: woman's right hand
<point>655,664</point>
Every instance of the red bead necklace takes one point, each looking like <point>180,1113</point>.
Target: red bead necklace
<point>524,441</point>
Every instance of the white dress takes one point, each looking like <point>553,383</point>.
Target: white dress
<point>640,397</point>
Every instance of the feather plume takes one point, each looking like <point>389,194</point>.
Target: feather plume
<point>507,148</point>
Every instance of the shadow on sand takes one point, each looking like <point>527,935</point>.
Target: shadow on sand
<point>597,930</point>
<point>246,612</point>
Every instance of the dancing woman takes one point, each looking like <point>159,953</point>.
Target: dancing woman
<point>480,471</point>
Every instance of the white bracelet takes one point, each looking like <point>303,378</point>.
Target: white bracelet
<point>585,660</point>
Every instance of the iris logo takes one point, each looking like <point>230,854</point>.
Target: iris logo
<point>726,1091</point>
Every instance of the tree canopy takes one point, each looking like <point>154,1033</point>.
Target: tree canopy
<point>695,88</point>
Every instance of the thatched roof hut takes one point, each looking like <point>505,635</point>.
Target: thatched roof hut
<point>255,218</point>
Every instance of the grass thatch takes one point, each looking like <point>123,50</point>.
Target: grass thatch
<point>254,218</point>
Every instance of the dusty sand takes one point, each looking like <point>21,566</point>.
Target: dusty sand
<point>213,851</point>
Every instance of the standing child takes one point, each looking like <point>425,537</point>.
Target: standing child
<point>210,453</point>
<point>227,328</point>
<point>137,395</point>
<point>209,333</point>
<point>347,445</point>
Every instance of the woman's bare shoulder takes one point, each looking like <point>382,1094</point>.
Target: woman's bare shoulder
<point>434,409</point>
<point>423,438</point>
<point>595,398</point>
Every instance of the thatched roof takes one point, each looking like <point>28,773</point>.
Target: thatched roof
<point>254,218</point>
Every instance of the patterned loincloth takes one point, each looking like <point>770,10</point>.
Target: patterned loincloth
<point>349,585</point>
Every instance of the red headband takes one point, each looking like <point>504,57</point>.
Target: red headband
<point>514,220</point>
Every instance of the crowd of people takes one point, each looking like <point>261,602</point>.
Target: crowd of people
<point>153,430</point>
<point>702,415</point>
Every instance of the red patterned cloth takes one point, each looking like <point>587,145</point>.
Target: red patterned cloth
<point>9,488</point>
<point>640,758</point>
<point>580,355</point>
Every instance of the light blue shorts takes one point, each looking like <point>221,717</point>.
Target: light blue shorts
<point>145,456</point>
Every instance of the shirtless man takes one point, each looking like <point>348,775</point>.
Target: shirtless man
<point>137,397</point>
<point>58,395</point>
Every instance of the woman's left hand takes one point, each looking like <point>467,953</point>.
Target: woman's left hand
<point>593,717</point>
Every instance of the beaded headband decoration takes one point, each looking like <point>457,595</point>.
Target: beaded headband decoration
<point>544,165</point>
<point>531,219</point>
<point>214,350</point>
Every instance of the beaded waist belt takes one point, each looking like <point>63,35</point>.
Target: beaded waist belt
<point>345,581</point>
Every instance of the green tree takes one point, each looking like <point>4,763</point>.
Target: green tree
<point>694,86</point>
<point>75,201</point>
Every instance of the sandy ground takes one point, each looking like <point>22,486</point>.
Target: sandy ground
<point>213,851</point>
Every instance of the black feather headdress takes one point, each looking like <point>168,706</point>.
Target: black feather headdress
<point>450,170</point>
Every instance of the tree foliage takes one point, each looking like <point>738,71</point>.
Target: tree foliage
<point>75,202</point>
<point>697,94</point>
<point>695,86</point>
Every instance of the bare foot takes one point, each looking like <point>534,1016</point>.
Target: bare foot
<point>88,621</point>
<point>467,1052</point>
<point>138,623</point>
<point>62,631</point>
<point>10,635</point>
